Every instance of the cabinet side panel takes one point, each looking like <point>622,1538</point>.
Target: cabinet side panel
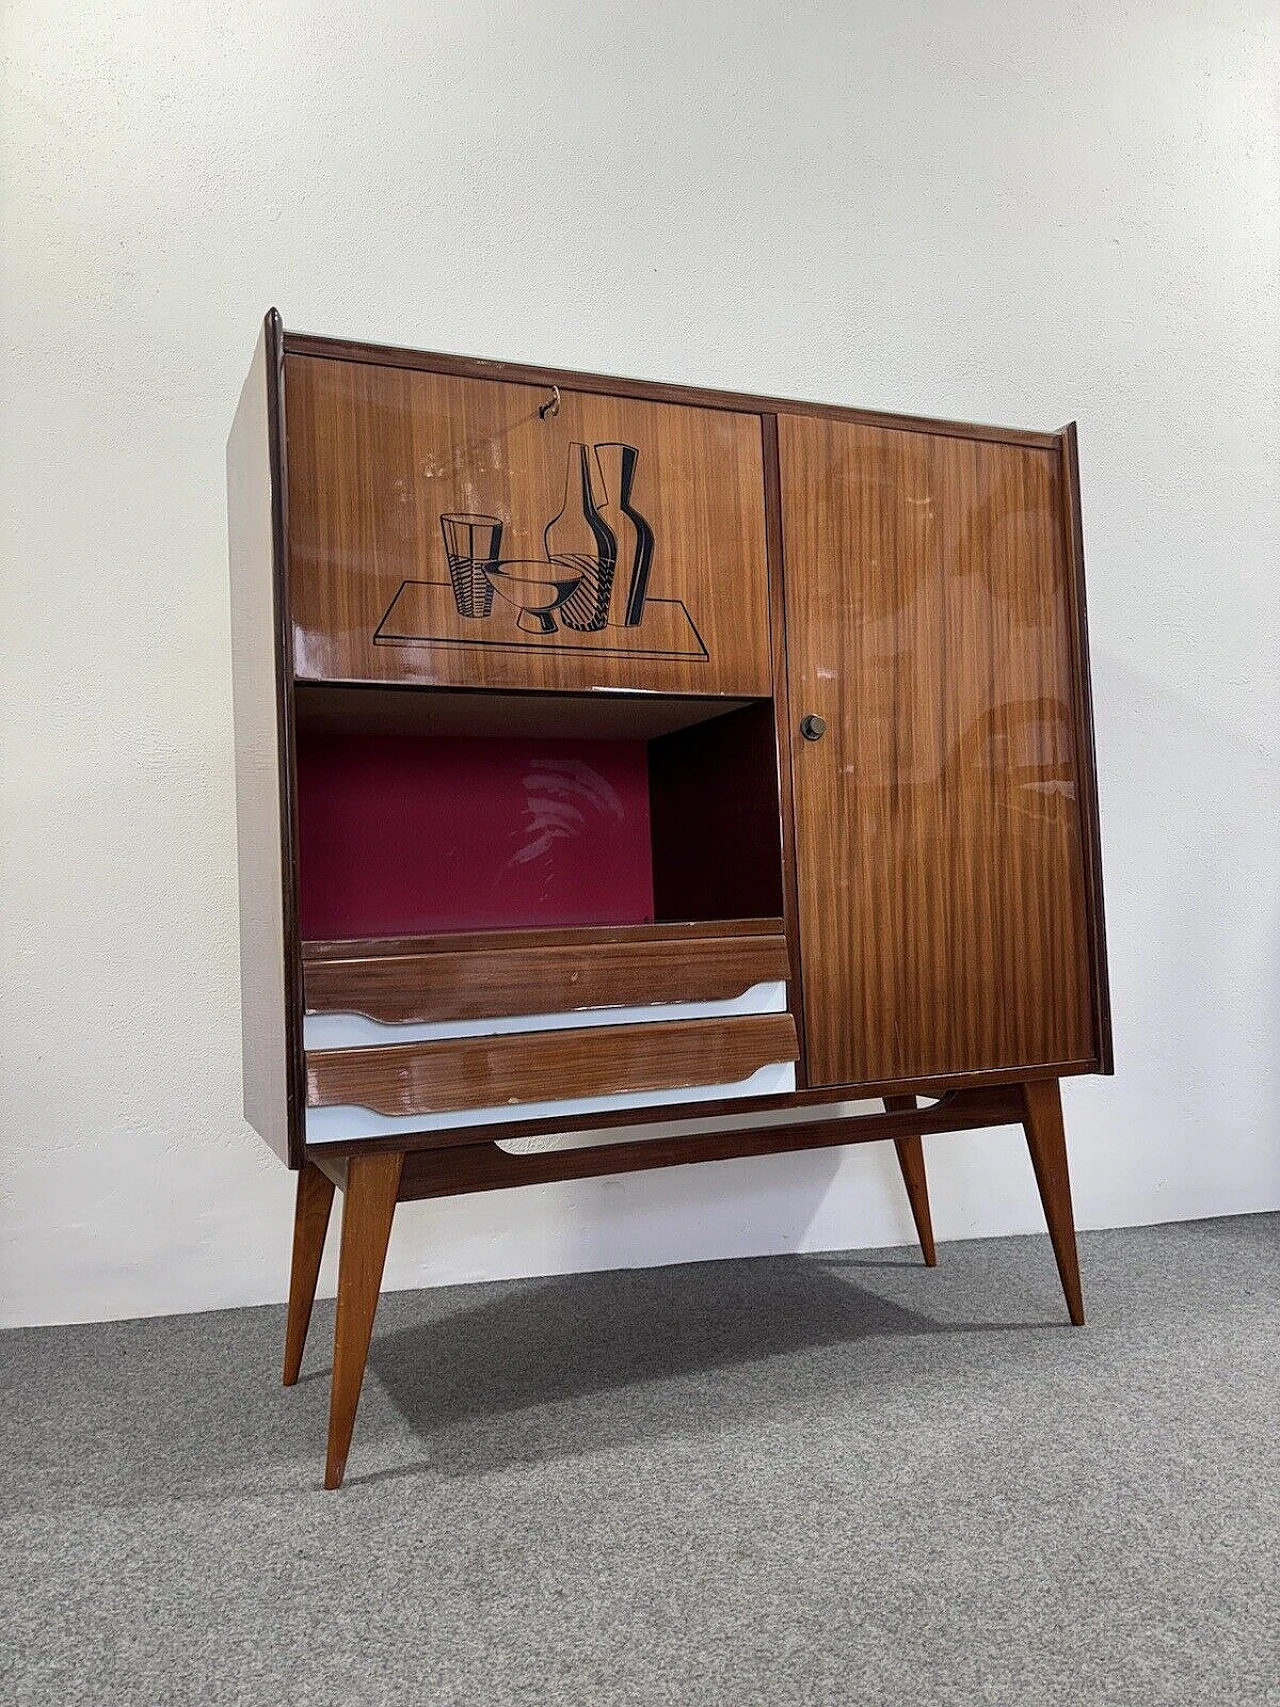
<point>1074,534</point>
<point>941,852</point>
<point>269,1012</point>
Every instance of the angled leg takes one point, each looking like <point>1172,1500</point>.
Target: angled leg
<point>367,1211</point>
<point>911,1161</point>
<point>310,1224</point>
<point>1047,1141</point>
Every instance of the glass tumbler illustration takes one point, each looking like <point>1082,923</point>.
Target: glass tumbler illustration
<point>471,544</point>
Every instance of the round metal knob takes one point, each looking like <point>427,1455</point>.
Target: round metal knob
<point>813,728</point>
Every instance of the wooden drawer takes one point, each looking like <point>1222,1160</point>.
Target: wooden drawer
<point>443,531</point>
<point>537,1067</point>
<point>490,974</point>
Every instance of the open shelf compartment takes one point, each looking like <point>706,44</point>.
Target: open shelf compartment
<point>424,814</point>
<point>557,903</point>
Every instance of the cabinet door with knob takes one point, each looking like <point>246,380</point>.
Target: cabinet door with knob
<point>453,531</point>
<point>938,756</point>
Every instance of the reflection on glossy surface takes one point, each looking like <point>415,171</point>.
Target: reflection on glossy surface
<point>382,459</point>
<point>532,1067</point>
<point>929,623</point>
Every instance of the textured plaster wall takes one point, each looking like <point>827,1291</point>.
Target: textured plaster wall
<point>1014,213</point>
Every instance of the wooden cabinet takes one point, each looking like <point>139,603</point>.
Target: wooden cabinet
<point>612,753</point>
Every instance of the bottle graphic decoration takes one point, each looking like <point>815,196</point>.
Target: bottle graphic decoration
<point>631,531</point>
<point>581,536</point>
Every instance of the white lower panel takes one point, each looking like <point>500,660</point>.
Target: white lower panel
<point>329,1125</point>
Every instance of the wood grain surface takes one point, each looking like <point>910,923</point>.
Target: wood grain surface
<point>695,396</point>
<point>1086,758</point>
<point>485,1072</point>
<point>312,1204</point>
<point>782,720</point>
<point>370,1188</point>
<point>570,936</point>
<point>939,843</point>
<point>345,708</point>
<point>483,1166</point>
<point>481,983</point>
<point>379,454</point>
<point>1047,1142</point>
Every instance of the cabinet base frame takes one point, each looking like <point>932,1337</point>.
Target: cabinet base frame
<point>373,1181</point>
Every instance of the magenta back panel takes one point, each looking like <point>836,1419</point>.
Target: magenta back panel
<point>402,835</point>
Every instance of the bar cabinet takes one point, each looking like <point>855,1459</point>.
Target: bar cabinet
<point>614,758</point>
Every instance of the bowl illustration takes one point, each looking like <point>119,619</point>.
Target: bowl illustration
<point>536,587</point>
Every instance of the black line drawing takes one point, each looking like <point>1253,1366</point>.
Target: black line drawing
<point>537,588</point>
<point>471,546</point>
<point>580,536</point>
<point>423,614</point>
<point>589,592</point>
<point>618,466</point>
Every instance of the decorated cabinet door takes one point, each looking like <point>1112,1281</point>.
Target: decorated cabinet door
<point>452,531</point>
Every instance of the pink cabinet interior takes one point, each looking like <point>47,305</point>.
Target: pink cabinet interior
<point>403,834</point>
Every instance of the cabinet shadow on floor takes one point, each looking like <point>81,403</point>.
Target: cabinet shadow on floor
<point>550,1369</point>
<point>467,1379</point>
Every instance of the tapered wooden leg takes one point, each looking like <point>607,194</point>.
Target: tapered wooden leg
<point>911,1161</point>
<point>1047,1141</point>
<point>367,1211</point>
<point>310,1224</point>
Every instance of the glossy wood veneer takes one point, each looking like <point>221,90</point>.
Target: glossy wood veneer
<point>1086,757</point>
<point>701,397</point>
<point>342,708</point>
<point>483,1166</point>
<point>522,1067</point>
<point>825,1097</point>
<point>370,1187</point>
<point>377,455</point>
<point>484,982</point>
<point>785,719</point>
<point>565,936</point>
<point>940,843</point>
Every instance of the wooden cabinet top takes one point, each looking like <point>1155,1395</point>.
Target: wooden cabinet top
<point>461,523</point>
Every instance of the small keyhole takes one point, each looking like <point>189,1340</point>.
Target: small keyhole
<point>813,728</point>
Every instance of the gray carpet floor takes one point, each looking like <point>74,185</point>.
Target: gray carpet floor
<point>839,1479</point>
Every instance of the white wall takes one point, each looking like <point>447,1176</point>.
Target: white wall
<point>1018,213</point>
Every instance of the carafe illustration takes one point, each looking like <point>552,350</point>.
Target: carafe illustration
<point>580,536</point>
<point>631,531</point>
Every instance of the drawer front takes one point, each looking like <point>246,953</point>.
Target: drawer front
<point>442,531</point>
<point>537,1067</point>
<point>547,978</point>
